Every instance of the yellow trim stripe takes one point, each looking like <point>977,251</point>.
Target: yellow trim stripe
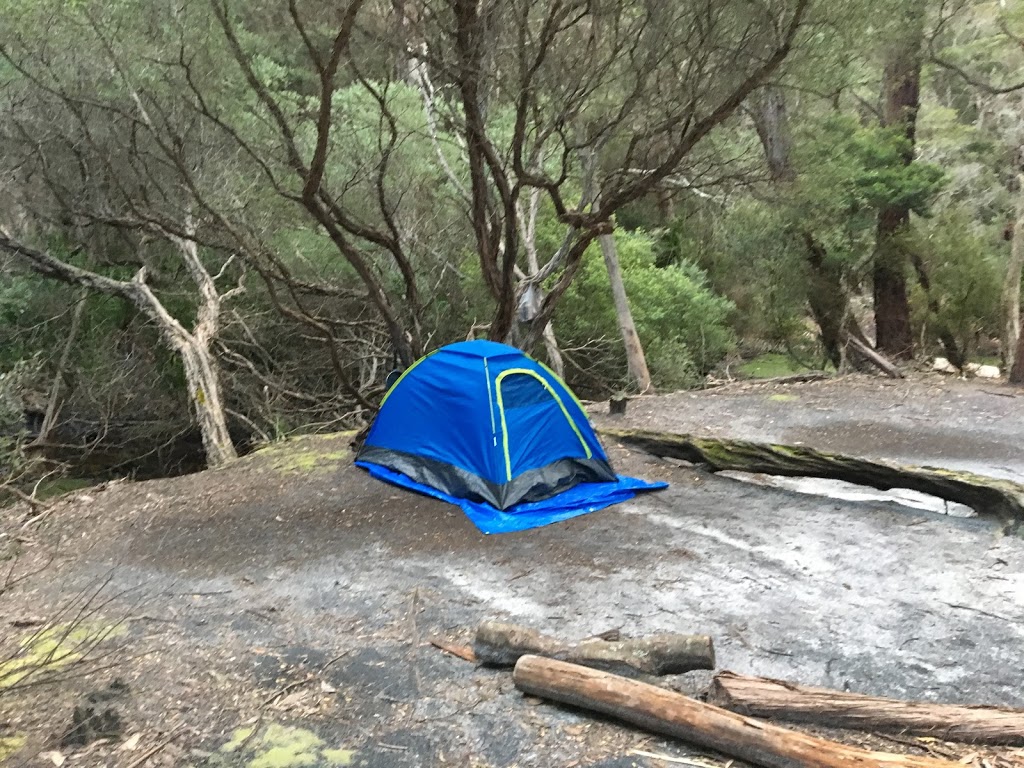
<point>565,386</point>
<point>504,425</point>
<point>405,373</point>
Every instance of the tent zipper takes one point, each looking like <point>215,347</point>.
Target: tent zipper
<point>490,403</point>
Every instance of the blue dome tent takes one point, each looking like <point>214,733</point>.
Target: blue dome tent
<point>484,426</point>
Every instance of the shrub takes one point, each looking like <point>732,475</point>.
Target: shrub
<point>681,322</point>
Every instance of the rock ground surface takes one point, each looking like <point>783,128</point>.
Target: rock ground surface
<point>278,611</point>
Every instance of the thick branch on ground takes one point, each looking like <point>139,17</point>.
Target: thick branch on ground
<point>762,697</point>
<point>502,645</point>
<point>986,495</point>
<point>873,357</point>
<point>661,711</point>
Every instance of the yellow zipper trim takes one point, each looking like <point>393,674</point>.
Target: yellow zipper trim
<point>559,379</point>
<point>504,425</point>
<point>405,373</point>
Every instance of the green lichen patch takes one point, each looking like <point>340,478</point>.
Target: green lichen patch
<point>10,746</point>
<point>281,746</point>
<point>309,453</point>
<point>54,648</point>
<point>771,365</point>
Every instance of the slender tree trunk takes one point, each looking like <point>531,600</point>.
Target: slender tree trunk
<point>1017,372</point>
<point>528,234</point>
<point>201,370</point>
<point>636,361</point>
<point>554,353</point>
<point>208,407</point>
<point>1011,289</point>
<point>53,405</point>
<point>901,87</point>
<point>826,295</point>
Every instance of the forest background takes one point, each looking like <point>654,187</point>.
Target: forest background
<point>224,223</point>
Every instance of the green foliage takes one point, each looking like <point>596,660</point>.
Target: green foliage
<point>756,261</point>
<point>853,170</point>
<point>966,272</point>
<point>681,322</point>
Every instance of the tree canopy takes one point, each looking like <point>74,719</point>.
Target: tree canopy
<point>261,210</point>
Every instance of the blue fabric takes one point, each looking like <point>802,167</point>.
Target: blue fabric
<point>450,405</point>
<point>490,410</point>
<point>578,500</point>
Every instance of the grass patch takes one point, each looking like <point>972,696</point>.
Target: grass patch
<point>49,489</point>
<point>770,365</point>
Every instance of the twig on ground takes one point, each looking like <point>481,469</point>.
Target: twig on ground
<point>463,652</point>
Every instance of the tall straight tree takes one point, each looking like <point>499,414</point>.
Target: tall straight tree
<point>901,99</point>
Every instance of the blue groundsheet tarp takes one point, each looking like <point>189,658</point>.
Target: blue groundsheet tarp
<point>578,500</point>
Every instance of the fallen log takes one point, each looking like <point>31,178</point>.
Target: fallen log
<point>667,712</point>
<point>499,644</point>
<point>873,357</point>
<point>763,697</point>
<point>986,495</point>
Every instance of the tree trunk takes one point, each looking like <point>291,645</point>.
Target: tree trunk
<point>501,644</point>
<point>827,299</point>
<point>776,699</point>
<point>636,361</point>
<point>207,404</point>
<point>893,334</point>
<point>1011,288</point>
<point>771,121</point>
<point>661,711</point>
<point>901,86</point>
<point>554,353</point>
<point>826,295</point>
<point>200,366</point>
<point>1017,372</point>
<point>53,405</point>
<point>986,495</point>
